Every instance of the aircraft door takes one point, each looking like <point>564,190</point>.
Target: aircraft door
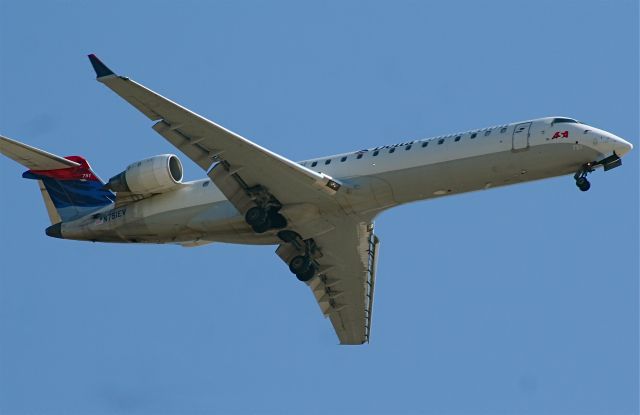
<point>521,136</point>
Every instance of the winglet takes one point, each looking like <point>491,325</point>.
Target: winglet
<point>100,68</point>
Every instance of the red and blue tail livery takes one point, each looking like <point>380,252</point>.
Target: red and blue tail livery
<point>69,187</point>
<point>75,191</point>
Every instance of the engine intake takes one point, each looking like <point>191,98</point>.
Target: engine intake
<point>157,174</point>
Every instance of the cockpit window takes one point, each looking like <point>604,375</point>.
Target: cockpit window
<point>564,120</point>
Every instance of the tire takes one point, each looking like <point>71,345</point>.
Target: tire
<point>583,184</point>
<point>299,265</point>
<point>262,228</point>
<point>256,216</point>
<point>277,221</point>
<point>307,275</point>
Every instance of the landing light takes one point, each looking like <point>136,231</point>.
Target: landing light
<point>333,185</point>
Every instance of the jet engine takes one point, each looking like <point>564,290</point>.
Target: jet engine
<point>157,174</point>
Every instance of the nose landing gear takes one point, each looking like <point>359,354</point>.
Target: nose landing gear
<point>581,177</point>
<point>583,184</point>
<point>608,163</point>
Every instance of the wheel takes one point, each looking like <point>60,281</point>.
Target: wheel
<point>307,275</point>
<point>277,221</point>
<point>256,216</point>
<point>299,265</point>
<point>262,227</point>
<point>583,184</point>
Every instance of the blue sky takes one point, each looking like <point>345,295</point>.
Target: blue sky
<point>518,300</point>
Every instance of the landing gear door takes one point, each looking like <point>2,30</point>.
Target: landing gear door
<point>521,136</point>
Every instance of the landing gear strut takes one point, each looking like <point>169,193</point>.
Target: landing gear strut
<point>581,177</point>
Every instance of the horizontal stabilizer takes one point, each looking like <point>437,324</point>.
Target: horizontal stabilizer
<point>31,157</point>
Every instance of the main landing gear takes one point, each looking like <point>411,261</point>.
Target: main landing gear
<point>299,253</point>
<point>262,220</point>
<point>264,216</point>
<point>302,265</point>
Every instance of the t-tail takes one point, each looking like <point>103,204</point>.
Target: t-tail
<point>69,187</point>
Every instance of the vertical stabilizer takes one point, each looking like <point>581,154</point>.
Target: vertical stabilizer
<point>69,187</point>
<point>74,191</point>
<point>48,203</point>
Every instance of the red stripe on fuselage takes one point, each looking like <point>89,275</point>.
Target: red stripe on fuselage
<point>81,172</point>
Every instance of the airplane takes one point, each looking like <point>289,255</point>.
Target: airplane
<point>319,212</point>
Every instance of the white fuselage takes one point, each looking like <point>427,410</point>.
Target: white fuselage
<point>373,180</point>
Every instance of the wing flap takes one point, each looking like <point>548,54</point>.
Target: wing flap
<point>345,282</point>
<point>351,284</point>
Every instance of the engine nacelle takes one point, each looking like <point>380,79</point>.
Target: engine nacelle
<point>157,174</point>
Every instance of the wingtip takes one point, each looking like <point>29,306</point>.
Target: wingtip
<point>100,68</point>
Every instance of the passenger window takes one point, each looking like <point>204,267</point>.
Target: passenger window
<point>474,135</point>
<point>392,150</point>
<point>503,130</point>
<point>407,147</point>
<point>359,156</point>
<point>327,161</point>
<point>441,141</point>
<point>486,133</point>
<point>457,138</point>
<point>426,143</point>
<point>314,164</point>
<point>375,153</point>
<point>343,159</point>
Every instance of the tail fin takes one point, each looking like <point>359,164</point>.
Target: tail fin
<point>69,187</point>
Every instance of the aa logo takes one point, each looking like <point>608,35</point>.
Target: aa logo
<point>561,134</point>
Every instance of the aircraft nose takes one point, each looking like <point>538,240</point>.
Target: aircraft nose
<point>621,146</point>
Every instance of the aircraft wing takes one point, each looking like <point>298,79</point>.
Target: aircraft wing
<point>345,283</point>
<point>241,164</point>
<point>346,275</point>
